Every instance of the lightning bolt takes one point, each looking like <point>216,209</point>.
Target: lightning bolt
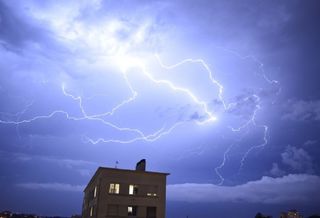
<point>98,117</point>
<point>127,62</point>
<point>224,160</point>
<point>257,61</point>
<point>149,138</point>
<point>262,145</point>
<point>251,120</point>
<point>17,115</point>
<point>131,62</point>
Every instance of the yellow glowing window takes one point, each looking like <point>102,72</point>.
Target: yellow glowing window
<point>114,188</point>
<point>133,189</point>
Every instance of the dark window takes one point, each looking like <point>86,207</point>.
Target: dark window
<point>113,210</point>
<point>151,212</point>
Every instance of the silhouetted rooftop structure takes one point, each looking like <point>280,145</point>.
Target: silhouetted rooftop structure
<point>116,192</point>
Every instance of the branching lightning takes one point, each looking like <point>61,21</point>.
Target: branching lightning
<point>251,120</point>
<point>17,115</point>
<point>99,117</point>
<point>224,160</point>
<point>135,62</point>
<point>127,62</point>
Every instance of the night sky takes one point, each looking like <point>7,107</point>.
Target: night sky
<point>223,95</point>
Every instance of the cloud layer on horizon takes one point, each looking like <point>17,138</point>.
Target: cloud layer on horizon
<point>302,188</point>
<point>52,186</point>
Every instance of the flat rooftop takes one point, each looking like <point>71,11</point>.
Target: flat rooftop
<point>124,171</point>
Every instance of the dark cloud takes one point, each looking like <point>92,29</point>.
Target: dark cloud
<point>17,30</point>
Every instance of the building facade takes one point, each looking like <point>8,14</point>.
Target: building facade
<point>291,214</point>
<point>119,193</point>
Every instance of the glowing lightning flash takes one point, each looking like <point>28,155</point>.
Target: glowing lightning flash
<point>127,62</point>
<point>118,50</point>
<point>130,62</point>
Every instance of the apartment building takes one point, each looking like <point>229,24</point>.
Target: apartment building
<point>119,193</point>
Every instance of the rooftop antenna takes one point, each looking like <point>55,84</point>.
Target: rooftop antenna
<point>116,166</point>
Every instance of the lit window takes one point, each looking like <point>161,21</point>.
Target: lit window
<point>91,211</point>
<point>152,190</point>
<point>133,189</point>
<point>114,188</point>
<point>151,194</point>
<point>95,192</point>
<point>132,210</point>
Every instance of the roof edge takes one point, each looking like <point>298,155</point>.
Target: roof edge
<point>124,170</point>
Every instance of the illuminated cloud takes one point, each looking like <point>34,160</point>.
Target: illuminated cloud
<point>276,171</point>
<point>310,142</point>
<point>302,110</point>
<point>297,159</point>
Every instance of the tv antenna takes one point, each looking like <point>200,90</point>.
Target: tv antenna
<point>116,166</point>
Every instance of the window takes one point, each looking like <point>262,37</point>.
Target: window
<point>133,189</point>
<point>132,210</point>
<point>91,211</point>
<point>114,188</point>
<point>95,192</point>
<point>152,194</point>
<point>113,210</point>
<point>151,212</point>
<point>152,190</point>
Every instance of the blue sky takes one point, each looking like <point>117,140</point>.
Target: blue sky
<point>222,95</point>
